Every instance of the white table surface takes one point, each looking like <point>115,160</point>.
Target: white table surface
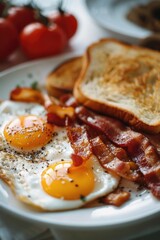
<point>11,227</point>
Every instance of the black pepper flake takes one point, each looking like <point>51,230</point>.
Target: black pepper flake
<point>76,185</point>
<point>82,198</point>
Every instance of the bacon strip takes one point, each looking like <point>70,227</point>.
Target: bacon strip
<point>155,140</point>
<point>26,94</point>
<point>138,147</point>
<point>116,198</point>
<point>79,141</point>
<point>107,154</point>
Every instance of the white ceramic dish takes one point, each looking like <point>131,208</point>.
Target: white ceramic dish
<point>87,223</point>
<point>111,15</point>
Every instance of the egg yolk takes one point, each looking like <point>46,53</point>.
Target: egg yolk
<point>27,133</point>
<point>60,180</point>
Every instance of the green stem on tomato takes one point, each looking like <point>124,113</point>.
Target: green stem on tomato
<point>38,13</point>
<point>60,7</point>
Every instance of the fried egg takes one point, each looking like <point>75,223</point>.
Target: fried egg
<point>35,160</point>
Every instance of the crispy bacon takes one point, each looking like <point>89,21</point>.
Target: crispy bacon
<point>55,119</point>
<point>110,158</point>
<point>77,160</point>
<point>79,141</point>
<point>57,114</point>
<point>155,140</point>
<point>62,112</point>
<point>26,94</point>
<point>138,147</point>
<point>116,198</point>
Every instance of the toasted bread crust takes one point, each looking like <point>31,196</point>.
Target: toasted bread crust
<point>62,79</point>
<point>143,95</point>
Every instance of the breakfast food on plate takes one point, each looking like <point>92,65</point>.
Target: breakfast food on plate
<point>122,81</point>
<point>35,160</point>
<point>143,158</point>
<point>59,155</point>
<point>62,79</point>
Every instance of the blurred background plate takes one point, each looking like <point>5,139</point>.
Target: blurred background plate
<point>111,15</point>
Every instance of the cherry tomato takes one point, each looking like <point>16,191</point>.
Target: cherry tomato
<point>8,38</point>
<point>66,21</point>
<point>21,16</point>
<point>38,40</point>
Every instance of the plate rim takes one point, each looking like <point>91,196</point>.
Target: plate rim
<point>83,226</point>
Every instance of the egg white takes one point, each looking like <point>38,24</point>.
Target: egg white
<point>10,110</point>
<point>23,171</point>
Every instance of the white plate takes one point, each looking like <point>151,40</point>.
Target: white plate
<point>111,14</point>
<point>143,208</point>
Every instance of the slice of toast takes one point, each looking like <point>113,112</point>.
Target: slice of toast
<point>122,81</point>
<point>62,79</point>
